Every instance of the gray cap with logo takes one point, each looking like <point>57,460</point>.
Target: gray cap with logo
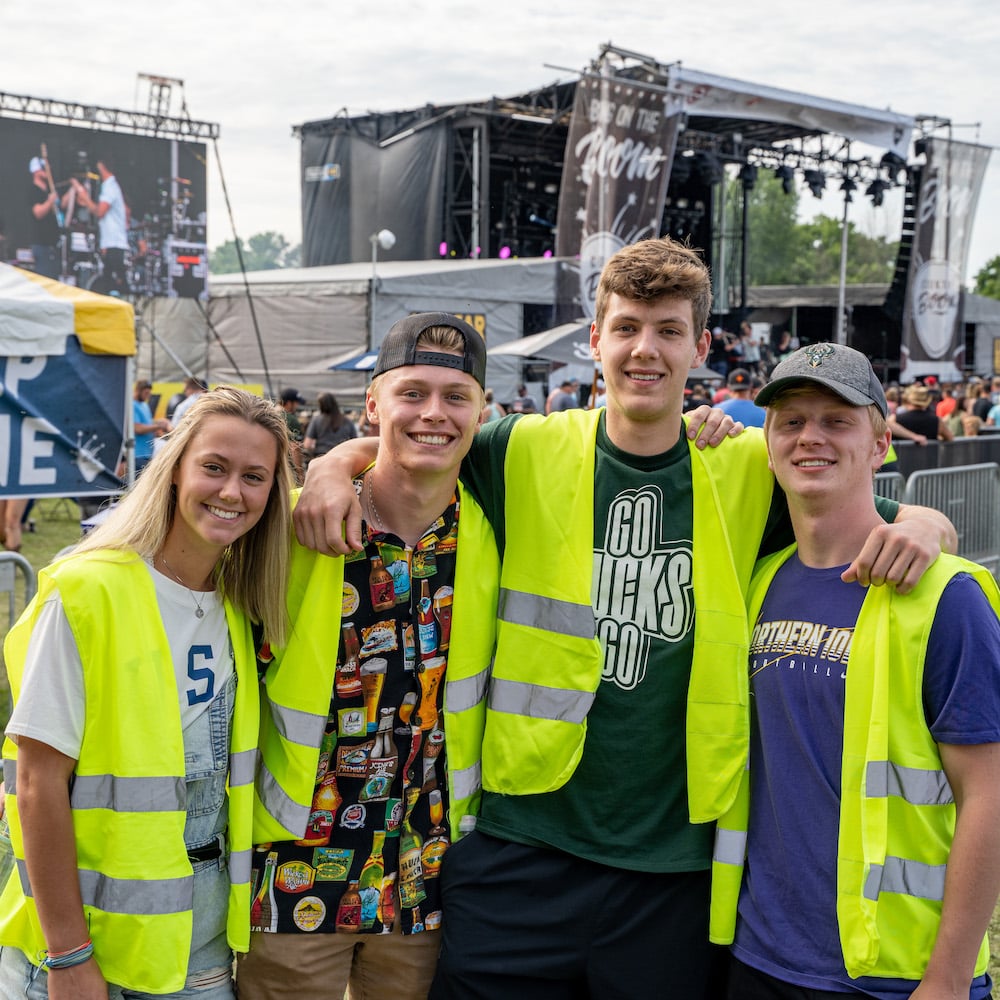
<point>842,370</point>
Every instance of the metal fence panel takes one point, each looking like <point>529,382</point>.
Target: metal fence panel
<point>970,496</point>
<point>890,485</point>
<point>12,564</point>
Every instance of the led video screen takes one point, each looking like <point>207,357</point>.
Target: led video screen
<point>113,212</point>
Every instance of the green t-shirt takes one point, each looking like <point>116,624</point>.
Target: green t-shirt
<point>626,803</point>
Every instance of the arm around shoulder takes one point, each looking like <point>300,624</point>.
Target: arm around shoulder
<point>899,553</point>
<point>327,516</point>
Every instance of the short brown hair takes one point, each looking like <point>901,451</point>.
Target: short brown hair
<point>651,269</point>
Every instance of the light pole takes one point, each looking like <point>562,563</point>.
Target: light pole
<point>386,239</point>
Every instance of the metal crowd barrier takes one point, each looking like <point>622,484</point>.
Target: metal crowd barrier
<point>970,496</point>
<point>890,485</point>
<point>10,564</point>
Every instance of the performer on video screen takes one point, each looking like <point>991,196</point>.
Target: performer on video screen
<point>45,223</point>
<point>112,216</point>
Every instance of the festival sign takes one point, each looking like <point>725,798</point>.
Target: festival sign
<point>933,340</point>
<point>619,149</point>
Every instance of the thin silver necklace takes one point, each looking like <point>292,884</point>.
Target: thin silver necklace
<point>371,503</point>
<point>199,610</point>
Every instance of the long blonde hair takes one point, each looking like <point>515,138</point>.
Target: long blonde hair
<point>253,571</point>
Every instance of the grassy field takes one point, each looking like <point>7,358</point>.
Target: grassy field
<point>57,525</point>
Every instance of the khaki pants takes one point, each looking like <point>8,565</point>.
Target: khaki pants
<point>369,966</point>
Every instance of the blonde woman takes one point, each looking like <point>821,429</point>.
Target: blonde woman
<point>131,749</point>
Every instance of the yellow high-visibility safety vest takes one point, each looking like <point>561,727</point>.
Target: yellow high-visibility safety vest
<point>128,797</point>
<point>897,812</point>
<point>548,661</point>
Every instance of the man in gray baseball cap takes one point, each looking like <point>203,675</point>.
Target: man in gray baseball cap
<point>873,754</point>
<point>842,370</point>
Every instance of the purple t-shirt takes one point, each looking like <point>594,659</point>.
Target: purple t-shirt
<point>787,910</point>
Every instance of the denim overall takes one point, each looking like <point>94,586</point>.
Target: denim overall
<point>206,760</point>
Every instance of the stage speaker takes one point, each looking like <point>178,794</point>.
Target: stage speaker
<point>187,269</point>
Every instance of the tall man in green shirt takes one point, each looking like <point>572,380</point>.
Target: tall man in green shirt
<point>588,878</point>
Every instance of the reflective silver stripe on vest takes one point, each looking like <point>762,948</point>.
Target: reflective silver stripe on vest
<point>10,776</point>
<point>277,803</point>
<point>730,846</point>
<point>537,702</point>
<point>109,791</point>
<point>909,878</point>
<point>914,785</point>
<point>146,897</point>
<point>465,782</point>
<point>242,768</point>
<point>466,693</point>
<point>297,726</point>
<point>561,617</point>
<point>239,867</point>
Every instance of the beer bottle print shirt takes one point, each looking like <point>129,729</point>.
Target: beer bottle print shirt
<point>378,827</point>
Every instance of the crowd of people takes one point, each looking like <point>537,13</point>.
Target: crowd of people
<point>921,411</point>
<point>512,671</point>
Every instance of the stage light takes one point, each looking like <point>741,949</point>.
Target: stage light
<point>504,253</point>
<point>816,180</point>
<point>876,191</point>
<point>386,239</point>
<point>894,166</point>
<point>539,221</point>
<point>786,175</point>
<point>748,174</point>
<point>848,186</point>
<point>443,249</point>
<point>709,166</point>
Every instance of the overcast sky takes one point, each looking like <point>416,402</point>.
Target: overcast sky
<point>257,69</point>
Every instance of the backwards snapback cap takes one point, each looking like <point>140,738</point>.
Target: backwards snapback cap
<point>842,370</point>
<point>399,348</point>
<point>739,378</point>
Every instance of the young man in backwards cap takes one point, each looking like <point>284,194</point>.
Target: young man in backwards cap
<point>872,841</point>
<point>355,900</point>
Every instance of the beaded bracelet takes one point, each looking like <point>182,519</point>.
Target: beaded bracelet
<point>67,959</point>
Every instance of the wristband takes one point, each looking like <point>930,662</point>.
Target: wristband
<point>67,959</point>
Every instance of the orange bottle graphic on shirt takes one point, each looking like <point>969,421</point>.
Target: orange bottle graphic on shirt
<point>380,586</point>
<point>387,903</point>
<point>326,801</point>
<point>349,910</point>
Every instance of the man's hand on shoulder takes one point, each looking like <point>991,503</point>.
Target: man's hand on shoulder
<point>708,426</point>
<point>900,553</point>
